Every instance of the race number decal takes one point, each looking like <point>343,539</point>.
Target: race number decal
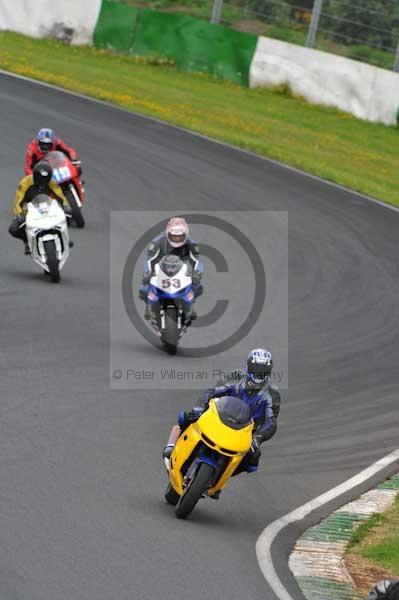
<point>61,174</point>
<point>167,283</point>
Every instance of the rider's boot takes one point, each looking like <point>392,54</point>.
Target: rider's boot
<point>167,451</point>
<point>147,312</point>
<point>216,495</point>
<point>27,249</point>
<point>166,454</point>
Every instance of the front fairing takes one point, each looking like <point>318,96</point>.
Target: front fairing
<point>156,294</point>
<point>176,287</point>
<point>209,440</point>
<point>38,220</point>
<point>44,226</point>
<point>221,436</point>
<point>63,169</point>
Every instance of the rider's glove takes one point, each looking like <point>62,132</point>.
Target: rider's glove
<point>255,448</point>
<point>146,278</point>
<point>196,412</point>
<point>198,287</point>
<point>187,417</point>
<point>196,278</point>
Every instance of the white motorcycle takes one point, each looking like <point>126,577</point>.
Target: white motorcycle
<point>170,298</point>
<point>47,234</point>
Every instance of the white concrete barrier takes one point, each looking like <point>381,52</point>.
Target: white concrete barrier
<point>365,91</point>
<point>73,20</point>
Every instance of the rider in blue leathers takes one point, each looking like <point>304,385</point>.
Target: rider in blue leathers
<point>175,241</point>
<point>253,387</point>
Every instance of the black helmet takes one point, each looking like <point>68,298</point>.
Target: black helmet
<point>42,174</point>
<point>259,367</point>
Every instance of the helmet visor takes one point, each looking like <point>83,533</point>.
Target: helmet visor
<point>177,238</point>
<point>45,146</point>
<point>259,373</point>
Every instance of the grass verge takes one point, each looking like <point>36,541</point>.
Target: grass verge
<point>373,553</point>
<point>322,141</point>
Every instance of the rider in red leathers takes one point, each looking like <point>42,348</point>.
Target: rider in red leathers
<point>46,141</point>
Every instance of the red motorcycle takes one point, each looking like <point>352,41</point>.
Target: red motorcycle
<point>67,174</point>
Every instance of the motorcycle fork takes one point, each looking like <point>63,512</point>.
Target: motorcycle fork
<point>217,461</point>
<point>179,317</point>
<point>74,192</point>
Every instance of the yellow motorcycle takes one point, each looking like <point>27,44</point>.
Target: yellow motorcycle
<point>208,452</point>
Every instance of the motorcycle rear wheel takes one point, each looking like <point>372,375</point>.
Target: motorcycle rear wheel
<point>193,492</point>
<point>52,261</point>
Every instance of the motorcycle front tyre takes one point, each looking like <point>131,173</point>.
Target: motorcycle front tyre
<point>200,483</point>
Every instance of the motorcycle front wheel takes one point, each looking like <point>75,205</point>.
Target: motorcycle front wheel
<point>52,261</point>
<point>198,485</point>
<point>77,215</point>
<point>170,335</point>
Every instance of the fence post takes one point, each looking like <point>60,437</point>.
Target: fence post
<point>396,65</point>
<point>217,11</point>
<point>314,24</point>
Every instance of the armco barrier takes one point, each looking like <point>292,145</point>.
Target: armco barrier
<point>74,21</point>
<point>321,78</point>
<point>193,44</point>
<point>365,91</point>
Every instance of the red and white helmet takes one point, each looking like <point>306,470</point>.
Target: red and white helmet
<point>177,232</point>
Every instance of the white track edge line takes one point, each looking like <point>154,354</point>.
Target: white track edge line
<point>204,137</point>
<point>269,534</point>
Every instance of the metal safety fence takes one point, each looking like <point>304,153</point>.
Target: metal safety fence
<point>365,30</point>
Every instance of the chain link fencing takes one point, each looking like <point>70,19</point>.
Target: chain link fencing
<point>365,30</point>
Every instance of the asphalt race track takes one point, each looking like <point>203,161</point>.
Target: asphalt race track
<point>81,510</point>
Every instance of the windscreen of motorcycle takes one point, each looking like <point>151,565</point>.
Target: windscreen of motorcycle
<point>42,203</point>
<point>171,275</point>
<point>233,412</point>
<point>171,264</point>
<point>59,164</point>
<point>56,159</point>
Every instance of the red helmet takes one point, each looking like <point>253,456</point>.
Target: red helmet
<point>177,232</point>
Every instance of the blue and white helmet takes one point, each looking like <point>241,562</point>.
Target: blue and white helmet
<point>259,366</point>
<point>45,139</point>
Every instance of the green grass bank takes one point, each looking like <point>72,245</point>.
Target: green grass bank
<point>377,540</point>
<point>373,553</point>
<point>322,141</point>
